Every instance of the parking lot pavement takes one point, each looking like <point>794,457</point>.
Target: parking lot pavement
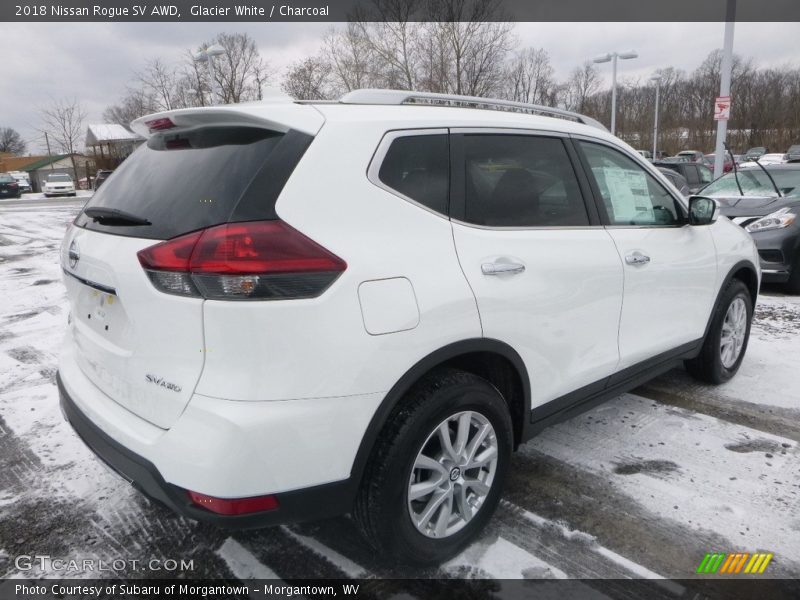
<point>642,486</point>
<point>38,201</point>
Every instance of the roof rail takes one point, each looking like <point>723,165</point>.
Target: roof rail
<point>374,96</point>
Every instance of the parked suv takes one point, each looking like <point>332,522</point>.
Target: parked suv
<point>697,176</point>
<point>284,311</point>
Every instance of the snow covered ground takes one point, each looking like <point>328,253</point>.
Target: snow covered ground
<point>642,486</point>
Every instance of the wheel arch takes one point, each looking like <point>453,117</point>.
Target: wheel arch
<point>493,360</point>
<point>746,272</point>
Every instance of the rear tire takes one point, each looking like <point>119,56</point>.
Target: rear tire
<point>725,345</point>
<point>420,502</point>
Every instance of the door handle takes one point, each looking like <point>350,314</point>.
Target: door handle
<point>502,268</point>
<point>637,258</point>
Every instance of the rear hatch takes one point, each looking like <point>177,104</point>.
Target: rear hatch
<point>144,348</point>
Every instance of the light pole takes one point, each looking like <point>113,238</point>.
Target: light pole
<point>207,56</point>
<point>725,86</point>
<point>613,56</point>
<point>657,80</point>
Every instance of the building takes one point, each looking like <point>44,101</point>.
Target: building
<point>39,167</point>
<point>111,144</point>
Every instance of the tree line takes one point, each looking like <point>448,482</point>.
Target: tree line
<point>462,47</point>
<point>475,57</point>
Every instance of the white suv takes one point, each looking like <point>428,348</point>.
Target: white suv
<point>282,311</point>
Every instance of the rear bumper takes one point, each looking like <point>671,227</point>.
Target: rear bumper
<point>300,505</point>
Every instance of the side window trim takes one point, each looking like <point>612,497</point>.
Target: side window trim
<point>597,196</point>
<point>458,207</point>
<point>375,163</point>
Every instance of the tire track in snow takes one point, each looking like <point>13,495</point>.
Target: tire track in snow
<point>678,389</point>
<point>280,552</point>
<point>729,500</point>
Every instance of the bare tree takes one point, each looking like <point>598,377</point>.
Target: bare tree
<point>350,59</point>
<point>136,103</point>
<point>456,46</point>
<point>529,77</point>
<point>393,38</point>
<point>241,72</point>
<point>63,122</point>
<point>584,81</point>
<point>308,80</point>
<point>159,81</point>
<point>473,41</point>
<point>11,141</point>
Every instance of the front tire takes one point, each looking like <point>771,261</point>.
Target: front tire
<point>726,343</point>
<point>437,470</point>
<point>793,284</point>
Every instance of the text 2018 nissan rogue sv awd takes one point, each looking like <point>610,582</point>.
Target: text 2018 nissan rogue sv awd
<point>282,311</point>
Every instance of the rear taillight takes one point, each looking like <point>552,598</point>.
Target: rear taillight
<point>234,506</point>
<point>260,260</point>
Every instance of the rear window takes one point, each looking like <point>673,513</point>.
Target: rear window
<point>184,181</point>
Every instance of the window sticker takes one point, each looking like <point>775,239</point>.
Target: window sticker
<point>629,194</point>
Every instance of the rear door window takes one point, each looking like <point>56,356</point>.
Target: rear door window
<point>184,181</point>
<point>521,181</point>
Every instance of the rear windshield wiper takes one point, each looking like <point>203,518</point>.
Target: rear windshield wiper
<point>113,216</point>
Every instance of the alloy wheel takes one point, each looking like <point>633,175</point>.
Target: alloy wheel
<point>734,329</point>
<point>452,474</point>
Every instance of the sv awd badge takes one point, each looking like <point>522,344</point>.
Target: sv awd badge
<point>160,382</point>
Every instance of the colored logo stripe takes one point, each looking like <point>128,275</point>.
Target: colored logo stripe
<point>723,563</point>
<point>758,563</point>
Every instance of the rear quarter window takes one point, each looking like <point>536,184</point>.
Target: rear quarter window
<point>418,167</point>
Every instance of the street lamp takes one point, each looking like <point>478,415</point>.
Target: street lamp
<point>657,80</point>
<point>613,56</point>
<point>207,56</point>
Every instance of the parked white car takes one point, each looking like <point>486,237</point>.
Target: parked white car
<point>58,184</point>
<point>287,310</point>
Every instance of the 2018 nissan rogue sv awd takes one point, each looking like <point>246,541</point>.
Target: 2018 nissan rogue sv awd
<point>284,311</point>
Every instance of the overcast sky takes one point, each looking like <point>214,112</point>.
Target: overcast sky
<point>94,62</point>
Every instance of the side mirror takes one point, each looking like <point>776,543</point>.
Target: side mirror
<point>702,210</point>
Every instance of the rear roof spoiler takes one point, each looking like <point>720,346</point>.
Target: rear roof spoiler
<point>276,116</point>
